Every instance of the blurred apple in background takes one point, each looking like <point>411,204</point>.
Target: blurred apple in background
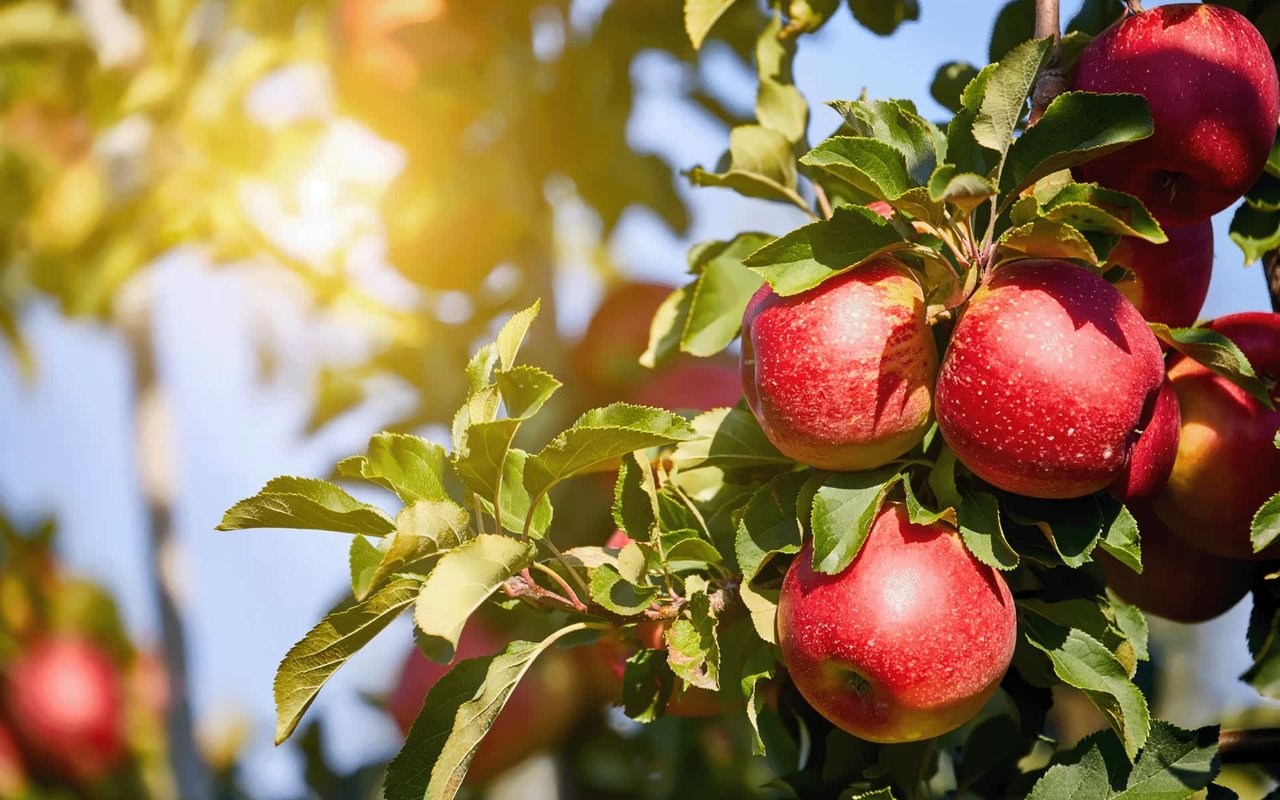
<point>65,698</point>
<point>13,775</point>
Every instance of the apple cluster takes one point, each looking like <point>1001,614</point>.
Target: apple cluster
<point>1051,385</point>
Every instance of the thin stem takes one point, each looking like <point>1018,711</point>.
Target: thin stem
<point>1047,19</point>
<point>823,203</point>
<point>1135,6</point>
<point>479,510</point>
<point>564,587</point>
<point>573,573</point>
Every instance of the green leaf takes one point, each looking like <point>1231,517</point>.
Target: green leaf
<point>1265,529</point>
<point>770,525</point>
<point>779,104</point>
<point>1174,764</point>
<point>942,479</point>
<point>363,558</point>
<point>882,17</point>
<point>1076,127</point>
<point>1217,353</point>
<point>481,452</point>
<point>758,667</point>
<point>845,504</point>
<point>1014,24</point>
<point>516,500</point>
<point>1094,615</point>
<point>600,435</point>
<point>1045,238</point>
<point>1004,100</point>
<point>1089,207</point>
<point>760,165</point>
<point>309,504</point>
<point>921,515</point>
<point>820,250</point>
<point>512,334</point>
<point>1120,535</point>
<point>424,529</point>
<point>978,518</point>
<point>949,82</point>
<point>461,581</point>
<point>693,652</point>
<point>328,645</point>
<point>410,466</point>
<point>870,165</point>
<point>1132,624</point>
<point>457,713</point>
<point>896,123</point>
<point>524,390</point>
<point>963,149</point>
<point>635,497</point>
<point>1256,232</point>
<point>1073,527</point>
<point>667,327</point>
<point>719,296</point>
<point>647,683</point>
<point>1264,674</point>
<point>700,17</point>
<point>1082,661</point>
<point>965,190</point>
<point>730,438</point>
<point>611,590</point>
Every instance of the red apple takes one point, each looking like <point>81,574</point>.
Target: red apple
<point>1211,83</point>
<point>909,642</point>
<point>1178,581</point>
<point>840,376</point>
<point>1227,464</point>
<point>607,357</point>
<point>1153,454</point>
<point>698,386</point>
<point>1172,278</point>
<point>539,713</point>
<point>65,699</point>
<point>13,775</point>
<point>1046,380</point>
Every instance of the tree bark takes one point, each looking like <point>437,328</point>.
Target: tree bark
<point>1258,746</point>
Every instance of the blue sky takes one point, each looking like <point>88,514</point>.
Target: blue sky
<point>68,440</point>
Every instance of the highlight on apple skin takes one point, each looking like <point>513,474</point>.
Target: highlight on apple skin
<point>1172,278</point>
<point>1046,380</point>
<point>908,643</point>
<point>1178,582</point>
<point>1227,464</point>
<point>840,376</point>
<point>1210,81</point>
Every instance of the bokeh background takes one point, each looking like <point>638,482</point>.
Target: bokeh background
<point>240,237</point>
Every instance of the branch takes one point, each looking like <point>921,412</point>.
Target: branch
<point>1053,80</point>
<point>1257,746</point>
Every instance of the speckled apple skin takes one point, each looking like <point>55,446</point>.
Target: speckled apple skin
<point>1173,278</point>
<point>909,642</point>
<point>1211,84</point>
<point>1178,581</point>
<point>1227,464</point>
<point>840,377</point>
<point>1046,379</point>
<point>1151,461</point>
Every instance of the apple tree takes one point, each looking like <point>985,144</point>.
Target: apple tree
<point>974,444</point>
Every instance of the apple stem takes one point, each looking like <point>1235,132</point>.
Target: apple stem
<point>1135,6</point>
<point>823,203</point>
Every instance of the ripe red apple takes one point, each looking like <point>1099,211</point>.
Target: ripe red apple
<point>1178,581</point>
<point>1211,83</point>
<point>840,376</point>
<point>685,385</point>
<point>909,642</point>
<point>538,714</point>
<point>65,699</point>
<point>1172,278</point>
<point>1151,461</point>
<point>607,357</point>
<point>1046,380</point>
<point>1227,463</point>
